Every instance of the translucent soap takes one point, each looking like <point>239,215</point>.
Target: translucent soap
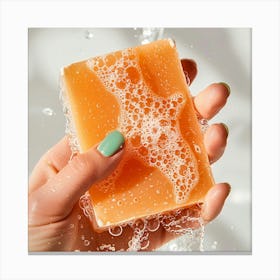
<point>143,93</point>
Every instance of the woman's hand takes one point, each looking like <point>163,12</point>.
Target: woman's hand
<point>57,223</point>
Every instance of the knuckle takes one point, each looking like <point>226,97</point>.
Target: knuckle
<point>84,164</point>
<point>79,163</point>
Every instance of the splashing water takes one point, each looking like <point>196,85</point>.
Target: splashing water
<point>149,34</point>
<point>186,223</point>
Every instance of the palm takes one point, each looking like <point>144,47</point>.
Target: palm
<point>76,234</point>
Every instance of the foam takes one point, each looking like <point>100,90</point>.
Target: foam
<point>148,121</point>
<point>183,221</point>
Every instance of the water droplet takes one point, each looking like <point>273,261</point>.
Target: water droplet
<point>187,77</point>
<point>86,242</point>
<point>79,217</point>
<point>48,112</point>
<point>116,231</point>
<point>197,148</point>
<point>203,125</point>
<point>214,245</point>
<point>88,35</point>
<point>82,237</point>
<point>59,243</point>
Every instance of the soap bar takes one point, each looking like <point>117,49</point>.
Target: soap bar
<point>142,92</point>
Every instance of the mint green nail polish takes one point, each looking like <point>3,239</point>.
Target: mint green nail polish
<point>111,144</point>
<point>227,87</point>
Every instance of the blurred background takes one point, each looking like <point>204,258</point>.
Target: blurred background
<point>221,54</point>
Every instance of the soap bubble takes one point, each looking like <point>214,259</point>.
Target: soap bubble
<point>153,224</point>
<point>116,231</point>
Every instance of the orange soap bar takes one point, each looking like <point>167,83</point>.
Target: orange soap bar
<point>142,92</point>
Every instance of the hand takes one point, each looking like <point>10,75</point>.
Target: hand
<point>57,223</point>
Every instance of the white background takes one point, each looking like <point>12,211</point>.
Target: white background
<point>262,16</point>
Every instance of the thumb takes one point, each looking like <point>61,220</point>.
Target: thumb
<point>56,199</point>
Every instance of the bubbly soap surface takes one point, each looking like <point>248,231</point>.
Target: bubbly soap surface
<point>141,92</point>
<point>149,122</point>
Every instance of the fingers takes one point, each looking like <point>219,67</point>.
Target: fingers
<point>190,69</point>
<point>214,201</point>
<point>50,163</point>
<point>211,100</point>
<point>61,192</point>
<point>215,140</point>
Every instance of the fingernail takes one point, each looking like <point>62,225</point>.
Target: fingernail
<point>227,87</point>
<point>226,127</point>
<point>111,144</point>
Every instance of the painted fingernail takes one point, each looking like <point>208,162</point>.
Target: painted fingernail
<point>226,127</point>
<point>226,86</point>
<point>111,144</point>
